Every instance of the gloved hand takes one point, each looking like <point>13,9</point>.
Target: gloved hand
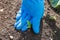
<point>21,20</point>
<point>31,10</point>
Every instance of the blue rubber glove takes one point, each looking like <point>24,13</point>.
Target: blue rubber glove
<point>31,10</point>
<point>21,20</point>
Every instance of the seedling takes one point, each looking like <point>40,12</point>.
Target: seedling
<point>55,3</point>
<point>51,17</point>
<point>29,24</point>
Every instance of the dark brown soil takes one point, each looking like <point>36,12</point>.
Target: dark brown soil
<point>50,30</point>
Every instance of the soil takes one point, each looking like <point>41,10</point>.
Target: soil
<point>50,30</point>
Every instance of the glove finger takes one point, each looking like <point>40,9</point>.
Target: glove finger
<point>24,28</point>
<point>17,22</point>
<point>36,25</point>
<point>18,27</point>
<point>21,16</point>
<point>21,23</point>
<point>18,14</point>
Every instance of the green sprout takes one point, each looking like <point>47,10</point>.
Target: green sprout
<point>55,3</point>
<point>29,24</point>
<point>51,17</point>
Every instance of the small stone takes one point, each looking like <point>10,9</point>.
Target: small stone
<point>51,39</point>
<point>4,30</point>
<point>11,37</point>
<point>55,31</point>
<point>5,17</point>
<point>1,10</point>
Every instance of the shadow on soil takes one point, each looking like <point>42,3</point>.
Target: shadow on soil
<point>52,24</point>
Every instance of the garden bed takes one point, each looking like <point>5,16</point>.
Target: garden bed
<point>50,30</point>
